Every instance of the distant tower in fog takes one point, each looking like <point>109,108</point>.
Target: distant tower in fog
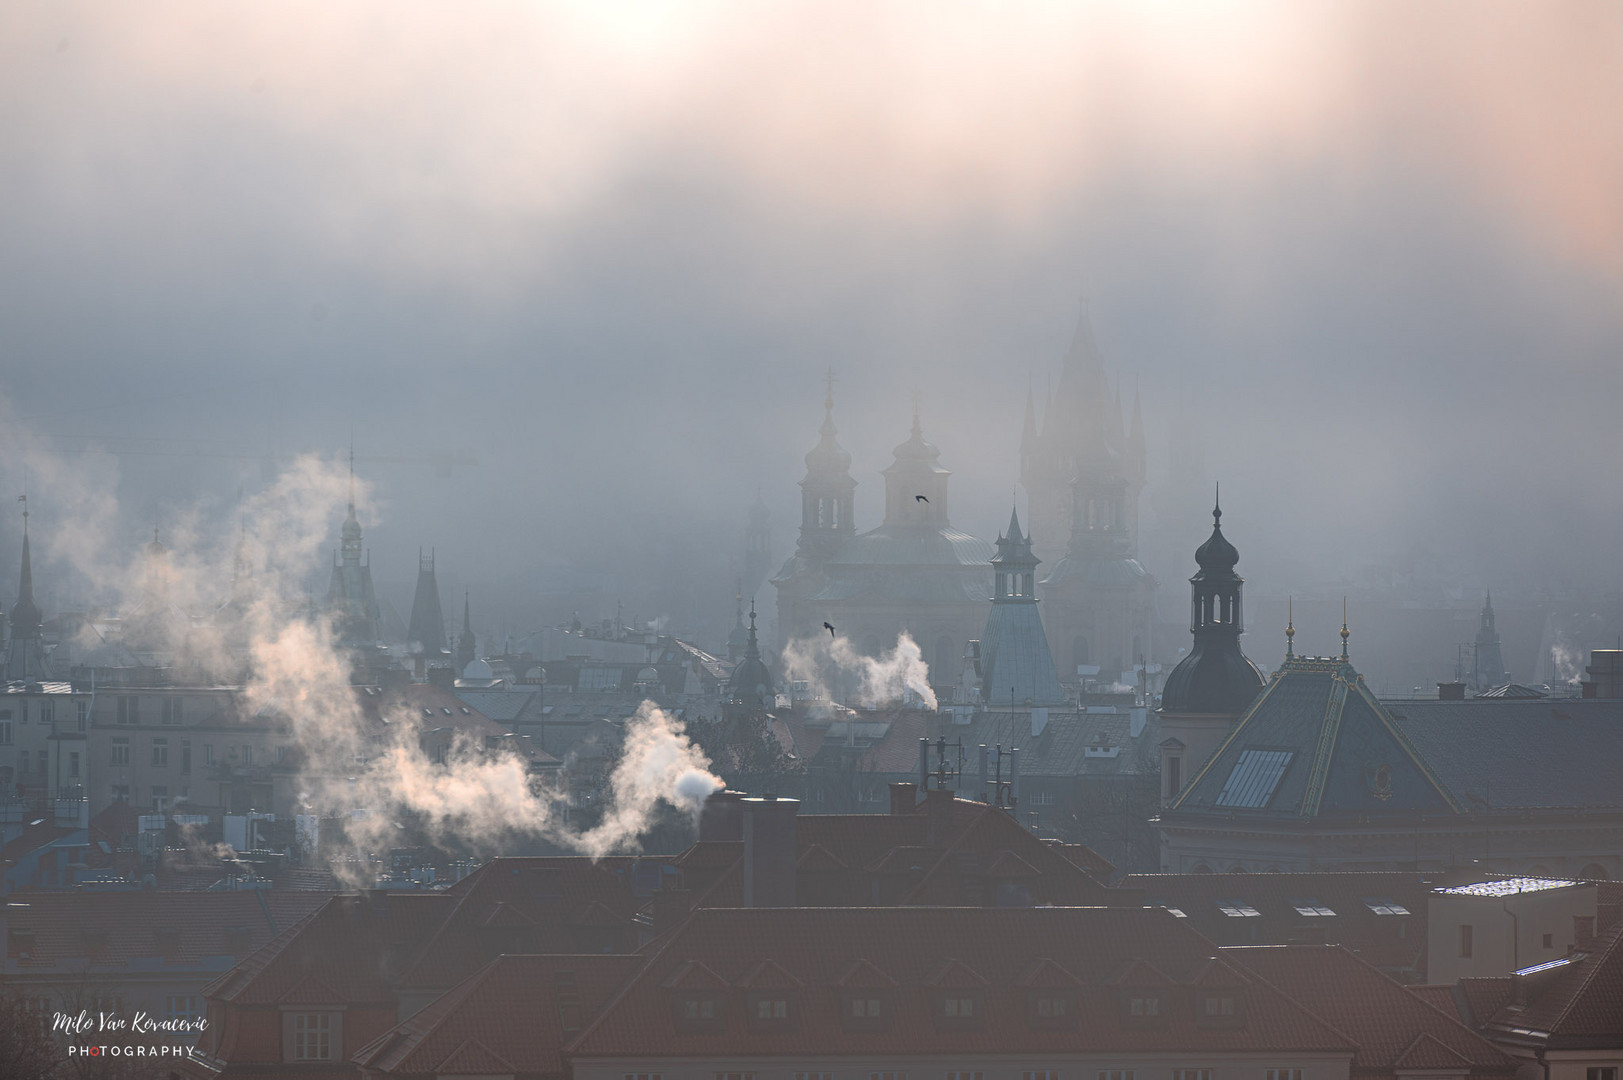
<point>827,494</point>
<point>465,644</point>
<point>425,639</point>
<point>351,602</point>
<point>1488,660</point>
<point>1084,472</point>
<point>757,546</point>
<point>25,651</point>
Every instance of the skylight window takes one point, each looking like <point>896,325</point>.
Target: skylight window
<point>1306,905</point>
<point>1384,905</point>
<point>1255,777</point>
<point>1169,906</point>
<point>1238,909</point>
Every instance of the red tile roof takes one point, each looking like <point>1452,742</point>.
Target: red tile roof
<point>108,930</point>
<point>511,1016</point>
<point>1380,1015</point>
<point>830,951</point>
<point>1394,943</point>
<point>1438,996</point>
<point>1574,1003</point>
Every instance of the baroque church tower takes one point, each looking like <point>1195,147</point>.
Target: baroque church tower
<point>827,495</point>
<point>1216,682</point>
<point>1487,657</point>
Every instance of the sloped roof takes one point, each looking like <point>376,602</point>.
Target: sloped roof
<point>511,1016</point>
<point>971,837</point>
<point>111,930</point>
<point>1316,743</point>
<point>995,946</point>
<point>1017,664</point>
<point>1570,1005</point>
<point>1276,898</point>
<point>1388,1024</point>
<point>1503,754</point>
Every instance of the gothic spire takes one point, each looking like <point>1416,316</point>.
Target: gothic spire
<point>26,617</point>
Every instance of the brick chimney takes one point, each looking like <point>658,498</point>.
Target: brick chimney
<point>722,819</point>
<point>769,851</point>
<point>903,797</point>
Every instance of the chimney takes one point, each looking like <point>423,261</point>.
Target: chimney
<point>984,775</point>
<point>1014,777</point>
<point>442,677</point>
<point>722,819</point>
<point>938,813</point>
<point>1450,691</point>
<point>769,851</point>
<point>1605,674</point>
<point>903,797</point>
<point>924,764</point>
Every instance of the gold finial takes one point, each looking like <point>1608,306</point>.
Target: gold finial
<point>1290,627</point>
<point>1344,634</point>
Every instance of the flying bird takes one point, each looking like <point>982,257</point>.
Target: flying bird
<point>921,498</point>
<point>830,628</point>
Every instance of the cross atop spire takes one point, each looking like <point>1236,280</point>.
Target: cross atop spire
<point>1217,504</point>
<point>1344,633</point>
<point>1290,627</point>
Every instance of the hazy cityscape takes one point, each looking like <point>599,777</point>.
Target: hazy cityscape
<point>688,541</point>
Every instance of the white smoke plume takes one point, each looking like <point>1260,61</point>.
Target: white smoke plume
<point>869,681</point>
<point>372,768</point>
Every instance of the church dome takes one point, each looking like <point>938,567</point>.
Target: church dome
<point>1217,554</point>
<point>478,669</point>
<point>1220,681</point>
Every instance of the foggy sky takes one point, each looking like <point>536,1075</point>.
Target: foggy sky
<point>1368,257</point>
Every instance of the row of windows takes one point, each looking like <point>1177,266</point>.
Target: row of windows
<point>44,712</point>
<point>42,760</point>
<point>960,1007</point>
<point>171,710</point>
<point>1031,1074</point>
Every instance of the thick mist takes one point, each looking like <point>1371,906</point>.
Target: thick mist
<point>569,277</point>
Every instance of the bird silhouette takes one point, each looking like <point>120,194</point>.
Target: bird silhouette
<point>830,628</point>
<point>921,498</point>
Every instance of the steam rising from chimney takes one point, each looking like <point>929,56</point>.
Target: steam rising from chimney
<point>819,661</point>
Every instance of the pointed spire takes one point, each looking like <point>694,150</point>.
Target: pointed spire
<point>1028,429</point>
<point>26,617</point>
<point>1344,633</point>
<point>1014,525</point>
<point>918,430</point>
<point>1290,627</point>
<point>828,427</point>
<point>467,617</point>
<point>753,650</point>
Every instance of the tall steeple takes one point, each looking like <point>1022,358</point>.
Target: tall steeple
<point>425,638</point>
<point>351,600</point>
<point>1487,656</point>
<point>25,652</point>
<point>1017,667</point>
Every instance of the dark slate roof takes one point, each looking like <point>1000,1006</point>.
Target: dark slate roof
<point>1061,750</point>
<point>1216,677</point>
<point>1315,744</point>
<point>1508,754</point>
<point>1015,656</point>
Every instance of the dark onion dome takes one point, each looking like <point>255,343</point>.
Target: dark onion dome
<point>828,455</point>
<point>1216,677</point>
<point>1221,681</point>
<point>1217,553</point>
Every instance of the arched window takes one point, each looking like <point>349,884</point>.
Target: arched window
<point>1594,872</point>
<point>1201,868</point>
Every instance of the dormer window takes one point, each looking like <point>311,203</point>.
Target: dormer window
<point>1219,1008</point>
<point>1143,1007</point>
<point>698,1012</point>
<point>1050,1008</point>
<point>960,1008</point>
